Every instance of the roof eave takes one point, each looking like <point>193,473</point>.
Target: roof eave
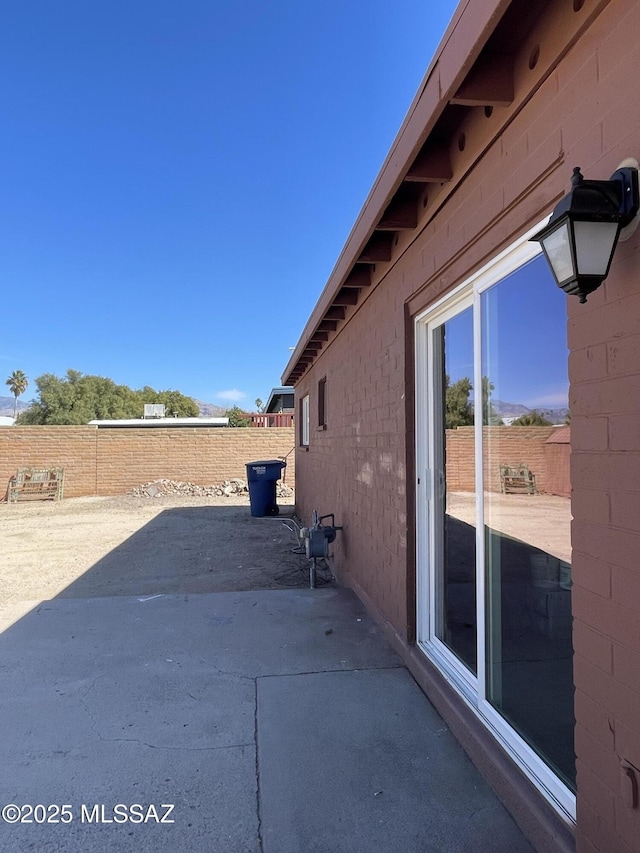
<point>471,26</point>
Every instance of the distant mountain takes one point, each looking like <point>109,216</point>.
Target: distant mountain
<point>208,410</point>
<point>6,406</point>
<point>509,410</point>
<point>514,410</point>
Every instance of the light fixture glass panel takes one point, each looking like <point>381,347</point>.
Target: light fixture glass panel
<point>557,247</point>
<point>595,241</point>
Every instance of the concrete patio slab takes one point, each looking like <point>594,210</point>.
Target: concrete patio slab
<point>360,761</point>
<point>239,709</point>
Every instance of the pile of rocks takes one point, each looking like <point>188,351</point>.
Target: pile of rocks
<point>227,488</point>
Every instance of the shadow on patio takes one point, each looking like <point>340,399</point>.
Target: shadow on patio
<point>272,720</point>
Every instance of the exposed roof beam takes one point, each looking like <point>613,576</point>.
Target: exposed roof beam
<point>377,249</point>
<point>319,336</point>
<point>336,312</point>
<point>360,276</point>
<point>401,213</point>
<point>489,83</point>
<point>347,296</point>
<point>399,216</point>
<point>327,325</point>
<point>432,165</point>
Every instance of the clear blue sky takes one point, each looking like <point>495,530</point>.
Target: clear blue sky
<point>177,179</point>
<point>526,354</point>
<point>524,339</point>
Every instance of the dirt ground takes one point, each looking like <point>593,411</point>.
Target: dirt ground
<point>141,546</point>
<point>543,521</point>
<point>95,547</point>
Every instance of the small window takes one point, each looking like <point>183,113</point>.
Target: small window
<point>304,421</point>
<point>322,403</point>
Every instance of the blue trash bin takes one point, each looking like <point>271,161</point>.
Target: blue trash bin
<point>261,479</point>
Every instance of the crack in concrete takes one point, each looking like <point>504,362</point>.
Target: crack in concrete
<point>329,671</point>
<point>255,737</point>
<point>171,748</point>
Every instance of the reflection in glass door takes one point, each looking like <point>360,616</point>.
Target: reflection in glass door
<point>527,528</point>
<point>494,549</point>
<point>454,525</point>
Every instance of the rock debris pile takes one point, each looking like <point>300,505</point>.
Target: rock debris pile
<point>227,488</point>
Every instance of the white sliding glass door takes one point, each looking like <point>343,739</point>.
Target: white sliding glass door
<point>494,575</point>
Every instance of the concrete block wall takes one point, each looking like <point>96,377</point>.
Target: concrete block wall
<point>604,372</point>
<point>558,469</point>
<point>112,461</point>
<point>502,445</point>
<point>356,467</point>
<point>363,464</point>
<point>73,448</point>
<point>585,112</point>
<point>202,455</point>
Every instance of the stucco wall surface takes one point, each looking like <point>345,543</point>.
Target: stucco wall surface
<point>111,461</point>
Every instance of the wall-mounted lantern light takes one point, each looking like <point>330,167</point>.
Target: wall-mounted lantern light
<point>581,236</point>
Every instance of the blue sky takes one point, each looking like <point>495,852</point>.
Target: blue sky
<point>524,339</point>
<point>178,178</point>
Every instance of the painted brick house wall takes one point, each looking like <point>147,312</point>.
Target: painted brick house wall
<point>356,467</point>
<point>111,461</point>
<point>514,164</point>
<point>605,403</point>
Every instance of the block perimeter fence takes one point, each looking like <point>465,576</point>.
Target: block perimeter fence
<point>111,461</point>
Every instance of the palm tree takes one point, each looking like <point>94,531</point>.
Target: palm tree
<point>17,383</point>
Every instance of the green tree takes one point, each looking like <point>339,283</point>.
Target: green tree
<point>458,410</point>
<point>490,416</point>
<point>79,398</point>
<point>17,383</point>
<point>176,404</point>
<point>533,418</point>
<point>237,418</point>
<point>259,405</point>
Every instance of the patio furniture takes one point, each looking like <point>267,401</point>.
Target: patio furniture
<point>517,479</point>
<point>36,484</point>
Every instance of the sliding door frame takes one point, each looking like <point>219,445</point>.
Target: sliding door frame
<point>428,396</point>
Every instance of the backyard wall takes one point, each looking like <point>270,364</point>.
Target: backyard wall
<point>509,445</point>
<point>112,461</point>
